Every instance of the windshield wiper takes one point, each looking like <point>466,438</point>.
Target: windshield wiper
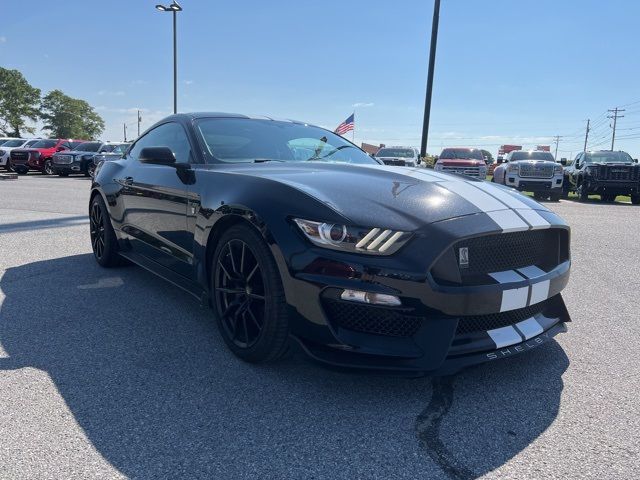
<point>316,157</point>
<point>264,160</point>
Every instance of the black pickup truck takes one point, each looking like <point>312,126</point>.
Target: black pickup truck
<point>603,173</point>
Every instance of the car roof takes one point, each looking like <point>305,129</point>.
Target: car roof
<point>198,115</point>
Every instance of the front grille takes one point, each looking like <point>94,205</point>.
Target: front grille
<point>63,159</point>
<point>372,320</point>
<point>499,252</point>
<point>398,163</point>
<point>482,323</point>
<point>469,171</point>
<point>535,170</point>
<point>616,173</point>
<point>19,157</point>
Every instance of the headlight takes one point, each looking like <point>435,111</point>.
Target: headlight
<point>438,167</point>
<point>558,169</point>
<point>2,152</point>
<point>512,167</point>
<point>373,241</point>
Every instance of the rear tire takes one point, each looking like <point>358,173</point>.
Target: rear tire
<point>247,296</point>
<point>103,238</point>
<point>540,196</point>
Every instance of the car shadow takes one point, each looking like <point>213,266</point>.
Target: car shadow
<point>144,372</point>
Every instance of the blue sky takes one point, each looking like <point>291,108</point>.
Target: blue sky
<point>506,71</point>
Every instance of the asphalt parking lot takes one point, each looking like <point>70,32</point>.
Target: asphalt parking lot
<point>115,373</point>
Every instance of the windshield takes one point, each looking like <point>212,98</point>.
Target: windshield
<point>461,154</point>
<point>45,144</point>
<point>248,140</point>
<point>608,157</point>
<point>396,152</point>
<point>13,143</point>
<point>87,147</point>
<point>532,156</point>
<point>30,143</point>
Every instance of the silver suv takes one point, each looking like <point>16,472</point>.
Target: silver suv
<point>399,156</point>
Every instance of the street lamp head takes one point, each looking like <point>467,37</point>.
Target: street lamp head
<point>175,6</point>
<point>162,8</point>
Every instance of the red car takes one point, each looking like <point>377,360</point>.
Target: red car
<point>38,156</point>
<point>465,161</point>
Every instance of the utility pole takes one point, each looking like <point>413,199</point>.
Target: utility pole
<point>586,135</point>
<point>139,120</point>
<point>615,117</point>
<point>432,62</point>
<point>556,140</point>
<point>124,126</point>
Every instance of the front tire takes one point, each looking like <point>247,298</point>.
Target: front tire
<point>583,193</point>
<point>103,238</point>
<point>248,297</point>
<point>635,199</point>
<point>555,197</point>
<point>48,168</point>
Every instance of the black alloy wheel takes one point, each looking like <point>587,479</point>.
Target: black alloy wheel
<point>103,239</point>
<point>48,168</point>
<point>248,297</point>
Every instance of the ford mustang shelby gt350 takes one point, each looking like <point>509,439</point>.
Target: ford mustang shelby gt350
<point>295,236</point>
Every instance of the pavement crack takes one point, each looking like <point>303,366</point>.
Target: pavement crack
<point>428,430</point>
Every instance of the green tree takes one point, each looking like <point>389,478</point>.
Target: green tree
<point>67,117</point>
<point>19,103</point>
<point>487,154</point>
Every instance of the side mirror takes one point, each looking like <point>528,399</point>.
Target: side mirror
<point>157,156</point>
<point>635,160</point>
<point>61,149</point>
<point>563,162</point>
<point>577,164</point>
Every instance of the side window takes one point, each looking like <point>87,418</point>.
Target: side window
<point>170,135</point>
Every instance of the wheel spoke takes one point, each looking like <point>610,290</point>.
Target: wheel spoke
<point>233,262</point>
<point>242,258</point>
<point>250,276</point>
<point>233,291</point>
<point>253,296</point>
<point>224,269</point>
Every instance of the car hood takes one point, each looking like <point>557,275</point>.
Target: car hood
<point>534,162</point>
<point>393,197</point>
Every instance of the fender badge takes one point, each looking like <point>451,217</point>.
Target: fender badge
<point>463,257</point>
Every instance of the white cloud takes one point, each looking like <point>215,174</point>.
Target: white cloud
<point>188,82</point>
<point>363,104</point>
<point>3,39</point>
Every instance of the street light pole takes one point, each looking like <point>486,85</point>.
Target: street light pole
<point>174,8</point>
<point>432,62</point>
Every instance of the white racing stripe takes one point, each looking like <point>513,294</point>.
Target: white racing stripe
<point>534,219</point>
<point>505,336</point>
<point>514,299</point>
<point>508,221</point>
<point>529,328</point>
<point>508,276</point>
<point>504,197</point>
<point>532,271</point>
<point>471,194</point>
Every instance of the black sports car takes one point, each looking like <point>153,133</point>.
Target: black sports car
<point>295,236</point>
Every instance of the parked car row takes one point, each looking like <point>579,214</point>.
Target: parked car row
<point>55,156</point>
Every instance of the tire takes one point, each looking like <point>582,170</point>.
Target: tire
<point>540,196</point>
<point>555,197</point>
<point>8,167</point>
<point>635,199</point>
<point>565,187</point>
<point>21,170</point>
<point>248,298</point>
<point>91,170</point>
<point>103,239</point>
<point>63,174</point>
<point>583,193</point>
<point>48,168</point>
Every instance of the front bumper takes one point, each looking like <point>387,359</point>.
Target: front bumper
<point>438,328</point>
<point>535,184</point>
<point>613,187</point>
<point>69,168</point>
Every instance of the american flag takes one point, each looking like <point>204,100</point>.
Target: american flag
<point>346,126</point>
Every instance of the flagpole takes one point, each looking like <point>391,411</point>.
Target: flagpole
<point>353,132</point>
